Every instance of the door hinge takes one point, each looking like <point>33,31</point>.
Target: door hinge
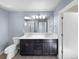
<point>62,18</point>
<point>62,51</point>
<point>62,34</point>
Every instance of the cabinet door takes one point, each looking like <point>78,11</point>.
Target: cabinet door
<point>70,35</point>
<point>50,47</point>
<point>26,47</point>
<point>38,46</point>
<point>46,48</point>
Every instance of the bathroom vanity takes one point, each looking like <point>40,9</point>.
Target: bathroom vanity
<point>39,47</point>
<point>38,44</point>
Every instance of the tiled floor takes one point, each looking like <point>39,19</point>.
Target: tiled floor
<point>34,57</point>
<point>3,56</point>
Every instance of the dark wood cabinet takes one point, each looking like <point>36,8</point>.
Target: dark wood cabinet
<point>39,47</point>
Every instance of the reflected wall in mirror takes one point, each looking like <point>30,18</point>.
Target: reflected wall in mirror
<point>29,26</point>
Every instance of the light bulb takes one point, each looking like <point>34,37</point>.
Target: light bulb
<point>44,17</point>
<point>37,17</point>
<point>33,17</point>
<point>40,17</point>
<point>27,17</point>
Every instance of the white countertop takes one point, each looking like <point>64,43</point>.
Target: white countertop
<point>38,36</point>
<point>16,40</point>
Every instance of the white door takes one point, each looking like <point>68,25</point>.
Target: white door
<point>70,35</point>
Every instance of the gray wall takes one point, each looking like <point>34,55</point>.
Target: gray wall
<point>3,29</point>
<point>61,5</point>
<point>15,25</point>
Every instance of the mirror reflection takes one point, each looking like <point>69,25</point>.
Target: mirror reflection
<point>35,24</point>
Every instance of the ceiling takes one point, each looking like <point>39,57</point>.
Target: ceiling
<point>29,5</point>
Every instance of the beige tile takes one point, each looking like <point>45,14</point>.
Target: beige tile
<point>3,56</point>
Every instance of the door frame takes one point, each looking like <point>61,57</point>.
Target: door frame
<point>60,25</point>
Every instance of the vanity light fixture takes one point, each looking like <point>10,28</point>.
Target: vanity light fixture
<point>35,17</point>
<point>38,17</point>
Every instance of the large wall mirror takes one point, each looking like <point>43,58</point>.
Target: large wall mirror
<point>38,25</point>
